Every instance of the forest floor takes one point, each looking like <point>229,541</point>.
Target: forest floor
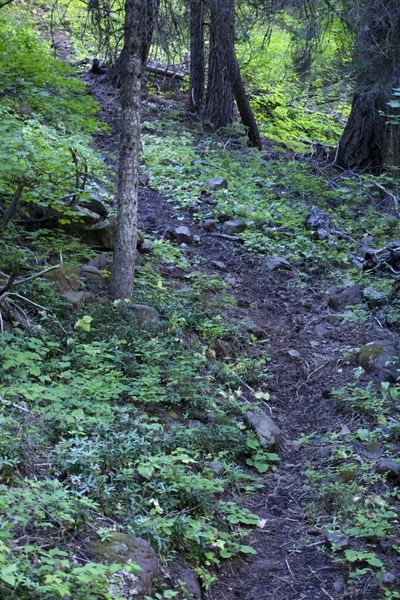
<point>312,349</point>
<point>132,419</point>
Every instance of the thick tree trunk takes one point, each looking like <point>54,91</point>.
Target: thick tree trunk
<point>197,56</point>
<point>364,142</point>
<point>219,107</point>
<point>223,13</point>
<point>368,139</point>
<point>131,68</point>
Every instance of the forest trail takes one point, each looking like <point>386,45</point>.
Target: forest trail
<point>306,341</point>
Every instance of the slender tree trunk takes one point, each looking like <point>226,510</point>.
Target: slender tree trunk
<point>367,140</point>
<point>130,70</point>
<point>223,15</point>
<point>197,56</point>
<point>219,107</point>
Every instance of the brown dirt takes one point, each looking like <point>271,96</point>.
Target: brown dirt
<point>291,563</point>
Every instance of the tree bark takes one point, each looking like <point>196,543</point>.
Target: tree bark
<point>368,139</point>
<point>130,71</point>
<point>219,107</point>
<point>197,56</point>
<point>223,15</point>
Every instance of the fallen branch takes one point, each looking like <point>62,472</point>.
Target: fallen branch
<point>165,71</point>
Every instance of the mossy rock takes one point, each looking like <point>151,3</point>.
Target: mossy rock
<point>382,359</point>
<point>122,548</point>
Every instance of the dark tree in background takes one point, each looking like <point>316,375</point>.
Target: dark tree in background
<point>197,10</point>
<point>219,108</point>
<point>368,140</point>
<point>223,13</point>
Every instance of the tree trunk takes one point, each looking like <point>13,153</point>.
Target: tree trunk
<point>364,141</point>
<point>224,16</point>
<point>130,70</point>
<point>368,140</point>
<point>197,56</point>
<point>219,107</point>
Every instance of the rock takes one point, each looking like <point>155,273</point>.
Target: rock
<point>182,235</point>
<point>337,539</point>
<point>318,222</point>
<point>382,359</point>
<point>388,578</point>
<point>185,574</point>
<point>267,430</point>
<point>249,326</point>
<point>144,180</point>
<point>390,468</point>
<point>277,263</point>
<point>91,274</point>
<point>216,466</point>
<point>340,297</point>
<point>101,261</point>
<point>101,235</point>
<point>233,227</point>
<point>294,354</point>
<point>95,205</point>
<point>77,298</point>
<point>321,330</point>
<point>144,315</point>
<point>218,183</point>
<point>339,586</point>
<point>121,548</point>
<point>218,264</point>
<point>146,247</point>
<point>85,215</point>
<point>209,225</point>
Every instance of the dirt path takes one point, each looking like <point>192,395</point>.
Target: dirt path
<point>306,341</point>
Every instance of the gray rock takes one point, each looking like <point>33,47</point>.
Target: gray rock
<point>277,263</point>
<point>218,183</point>
<point>209,225</point>
<point>144,180</point>
<point>95,205</point>
<point>92,274</point>
<point>340,297</point>
<point>388,578</point>
<point>85,215</point>
<point>294,354</point>
<point>103,260</point>
<point>233,227</point>
<point>144,315</point>
<point>388,467</point>
<point>121,548</point>
<point>216,466</point>
<point>182,235</point>
<point>382,359</point>
<point>185,574</point>
<point>339,586</point>
<point>267,430</point>
<point>77,298</point>
<point>318,222</point>
<point>101,235</point>
<point>146,247</point>
<point>249,326</point>
<point>337,539</point>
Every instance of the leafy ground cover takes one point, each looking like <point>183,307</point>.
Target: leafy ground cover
<point>110,427</point>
